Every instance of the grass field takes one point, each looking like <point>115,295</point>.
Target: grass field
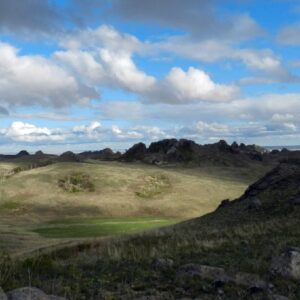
<point>57,203</point>
<point>81,228</point>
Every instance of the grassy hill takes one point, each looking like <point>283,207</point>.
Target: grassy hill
<point>65,201</point>
<point>240,236</point>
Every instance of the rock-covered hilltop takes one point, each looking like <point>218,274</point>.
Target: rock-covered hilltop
<point>187,151</point>
<point>277,193</point>
<point>171,151</point>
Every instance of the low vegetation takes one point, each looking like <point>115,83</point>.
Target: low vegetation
<point>76,182</point>
<point>99,227</point>
<point>96,235</point>
<point>153,185</point>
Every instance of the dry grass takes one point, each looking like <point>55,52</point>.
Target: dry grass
<point>33,197</point>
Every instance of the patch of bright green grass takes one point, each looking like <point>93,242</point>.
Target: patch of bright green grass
<point>82,228</point>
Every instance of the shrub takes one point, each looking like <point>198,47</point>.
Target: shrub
<point>76,182</point>
<point>153,185</point>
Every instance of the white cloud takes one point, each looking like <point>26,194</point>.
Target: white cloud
<point>126,134</point>
<point>212,127</point>
<point>269,67</point>
<point>35,80</point>
<point>25,132</point>
<point>91,131</point>
<point>123,72</point>
<point>103,56</point>
<point>180,87</point>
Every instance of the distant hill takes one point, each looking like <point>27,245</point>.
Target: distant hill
<point>220,153</point>
<point>170,151</point>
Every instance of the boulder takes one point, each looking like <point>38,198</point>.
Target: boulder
<point>277,297</point>
<point>251,281</point>
<point>30,293</point>
<point>2,295</point>
<point>217,275</point>
<point>287,264</point>
<point>163,263</point>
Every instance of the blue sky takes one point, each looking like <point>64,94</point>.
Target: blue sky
<point>84,75</point>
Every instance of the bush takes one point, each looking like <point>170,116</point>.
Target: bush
<point>153,185</point>
<point>76,182</point>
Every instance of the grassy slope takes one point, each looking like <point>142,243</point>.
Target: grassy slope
<point>30,199</point>
<point>233,237</point>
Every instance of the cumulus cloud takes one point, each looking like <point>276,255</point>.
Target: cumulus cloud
<point>93,132</point>
<point>107,60</point>
<point>181,87</point>
<point>25,132</point>
<point>267,66</point>
<point>35,80</point>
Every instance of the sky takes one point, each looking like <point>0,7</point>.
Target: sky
<point>88,74</point>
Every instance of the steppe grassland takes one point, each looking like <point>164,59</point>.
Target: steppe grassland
<point>32,199</point>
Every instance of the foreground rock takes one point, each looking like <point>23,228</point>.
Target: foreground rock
<point>220,277</point>
<point>287,264</point>
<point>29,293</point>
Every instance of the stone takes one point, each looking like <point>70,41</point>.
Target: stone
<point>217,275</point>
<point>251,281</point>
<point>277,297</point>
<point>30,293</point>
<point>2,295</point>
<point>163,263</point>
<point>287,264</point>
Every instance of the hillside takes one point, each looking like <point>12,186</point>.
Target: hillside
<point>231,253</point>
<point>36,205</point>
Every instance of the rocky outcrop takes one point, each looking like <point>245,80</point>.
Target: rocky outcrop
<point>185,151</point>
<point>287,264</point>
<point>22,153</point>
<point>277,192</point>
<point>105,154</point>
<point>39,153</point>
<point>136,153</point>
<point>69,156</point>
